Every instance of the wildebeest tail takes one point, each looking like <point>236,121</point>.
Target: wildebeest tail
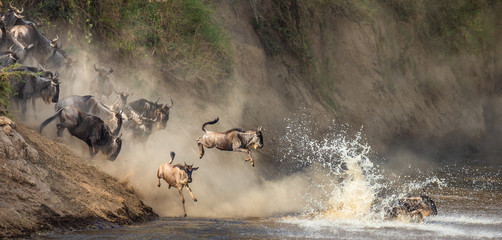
<point>172,157</point>
<point>49,120</point>
<point>210,122</point>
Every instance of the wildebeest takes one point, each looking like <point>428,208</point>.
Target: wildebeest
<point>231,140</point>
<point>29,34</point>
<point>103,85</point>
<point>91,105</point>
<point>8,60</point>
<point>141,127</point>
<point>90,129</point>
<point>178,176</point>
<point>8,42</point>
<point>13,16</point>
<point>153,110</point>
<point>32,83</point>
<point>45,52</point>
<point>414,208</point>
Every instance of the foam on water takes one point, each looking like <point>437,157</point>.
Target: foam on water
<point>347,178</point>
<point>349,193</point>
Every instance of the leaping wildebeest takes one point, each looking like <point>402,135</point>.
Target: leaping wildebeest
<point>231,140</point>
<point>90,129</point>
<point>178,176</point>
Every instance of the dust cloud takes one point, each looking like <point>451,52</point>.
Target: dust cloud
<point>225,185</point>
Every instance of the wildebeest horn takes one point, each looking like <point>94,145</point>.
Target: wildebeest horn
<point>111,70</point>
<point>120,135</point>
<point>29,47</point>
<point>172,103</point>
<point>53,42</point>
<point>18,16</point>
<point>259,128</point>
<point>13,56</point>
<point>96,68</point>
<point>157,101</point>
<point>15,9</point>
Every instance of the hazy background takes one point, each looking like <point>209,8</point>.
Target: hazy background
<point>419,79</point>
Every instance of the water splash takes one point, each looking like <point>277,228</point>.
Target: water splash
<point>341,168</point>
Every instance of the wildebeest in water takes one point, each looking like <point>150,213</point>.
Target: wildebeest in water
<point>414,208</point>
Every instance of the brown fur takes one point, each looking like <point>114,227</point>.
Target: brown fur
<point>178,176</point>
<point>232,140</point>
<point>416,207</point>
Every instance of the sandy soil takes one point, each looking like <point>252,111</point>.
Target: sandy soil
<point>46,186</point>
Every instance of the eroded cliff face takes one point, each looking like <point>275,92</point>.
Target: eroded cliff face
<point>405,96</point>
<point>46,186</point>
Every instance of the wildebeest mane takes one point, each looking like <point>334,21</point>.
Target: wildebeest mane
<point>235,129</point>
<point>86,98</point>
<point>180,166</point>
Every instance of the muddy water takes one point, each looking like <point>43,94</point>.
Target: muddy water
<point>347,198</point>
<point>470,207</point>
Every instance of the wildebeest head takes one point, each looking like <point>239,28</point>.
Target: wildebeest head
<point>103,73</point>
<point>117,145</point>
<point>55,83</point>
<point>256,140</point>
<point>58,59</point>
<point>13,16</point>
<point>123,95</point>
<point>189,169</point>
<point>163,114</point>
<point>49,89</point>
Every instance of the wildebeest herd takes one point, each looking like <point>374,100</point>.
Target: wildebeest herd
<point>36,64</point>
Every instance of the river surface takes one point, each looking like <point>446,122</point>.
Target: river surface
<point>347,197</point>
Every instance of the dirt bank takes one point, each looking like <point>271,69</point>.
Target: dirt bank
<point>46,186</point>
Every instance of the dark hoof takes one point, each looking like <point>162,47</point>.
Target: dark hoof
<point>195,200</point>
<point>185,215</point>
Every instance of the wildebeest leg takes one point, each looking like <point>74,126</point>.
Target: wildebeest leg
<point>61,128</point>
<point>191,194</point>
<point>201,147</point>
<point>34,109</point>
<point>182,201</point>
<point>92,148</point>
<point>245,150</point>
<point>23,108</point>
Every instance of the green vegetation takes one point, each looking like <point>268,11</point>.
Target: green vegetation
<point>180,34</point>
<point>6,90</point>
<point>451,26</point>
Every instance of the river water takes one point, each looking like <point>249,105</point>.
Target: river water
<point>346,198</point>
